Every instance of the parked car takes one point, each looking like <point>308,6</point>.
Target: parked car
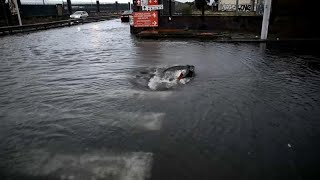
<point>125,15</point>
<point>79,15</point>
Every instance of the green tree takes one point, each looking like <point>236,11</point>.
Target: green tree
<point>186,10</point>
<point>190,3</point>
<point>201,4</point>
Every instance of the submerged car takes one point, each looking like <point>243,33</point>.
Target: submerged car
<point>79,15</point>
<point>125,15</point>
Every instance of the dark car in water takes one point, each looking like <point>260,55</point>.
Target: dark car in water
<point>125,15</point>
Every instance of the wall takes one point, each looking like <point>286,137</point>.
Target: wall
<point>214,23</point>
<point>243,5</point>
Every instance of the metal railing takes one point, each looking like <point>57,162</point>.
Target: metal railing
<point>47,25</point>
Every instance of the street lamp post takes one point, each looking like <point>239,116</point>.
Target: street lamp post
<point>265,21</point>
<point>18,12</point>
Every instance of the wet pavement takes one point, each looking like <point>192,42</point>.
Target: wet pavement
<point>77,103</point>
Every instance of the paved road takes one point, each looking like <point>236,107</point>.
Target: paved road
<point>76,103</point>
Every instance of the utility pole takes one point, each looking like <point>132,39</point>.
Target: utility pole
<point>237,6</point>
<point>18,11</point>
<point>117,7</point>
<point>69,7</point>
<point>265,21</point>
<point>170,12</point>
<point>98,6</point>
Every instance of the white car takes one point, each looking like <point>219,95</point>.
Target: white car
<point>79,15</point>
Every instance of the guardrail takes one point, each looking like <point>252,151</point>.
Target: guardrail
<point>54,24</point>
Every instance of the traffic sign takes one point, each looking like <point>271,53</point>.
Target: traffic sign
<point>152,8</point>
<point>138,2</point>
<point>149,2</point>
<point>152,2</point>
<point>145,19</point>
<point>144,2</point>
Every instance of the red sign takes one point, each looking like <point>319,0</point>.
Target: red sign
<point>138,2</point>
<point>145,19</point>
<point>152,2</point>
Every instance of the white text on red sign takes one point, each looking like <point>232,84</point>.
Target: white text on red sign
<point>145,19</point>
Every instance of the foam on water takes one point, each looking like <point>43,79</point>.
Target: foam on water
<point>167,80</point>
<point>90,165</point>
<point>136,93</point>
<point>150,121</point>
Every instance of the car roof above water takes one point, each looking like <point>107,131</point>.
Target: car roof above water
<point>80,12</point>
<point>127,12</point>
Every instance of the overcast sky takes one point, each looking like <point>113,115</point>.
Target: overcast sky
<point>81,1</point>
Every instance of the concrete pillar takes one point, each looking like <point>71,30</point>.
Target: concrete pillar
<point>266,17</point>
<point>59,9</point>
<point>252,5</point>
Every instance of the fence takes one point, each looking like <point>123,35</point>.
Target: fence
<point>215,7</point>
<point>33,10</point>
<point>92,8</point>
<point>38,10</point>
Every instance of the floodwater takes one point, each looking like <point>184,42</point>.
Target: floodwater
<point>77,103</point>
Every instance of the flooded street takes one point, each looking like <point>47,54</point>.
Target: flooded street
<point>78,103</point>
